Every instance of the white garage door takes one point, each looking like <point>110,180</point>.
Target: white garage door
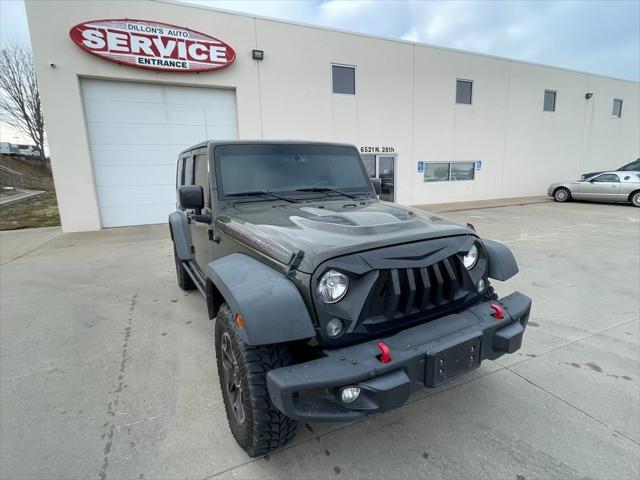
<point>136,131</point>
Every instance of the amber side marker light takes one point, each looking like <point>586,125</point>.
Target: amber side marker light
<point>239,321</point>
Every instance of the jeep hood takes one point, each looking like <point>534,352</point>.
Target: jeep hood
<point>324,230</point>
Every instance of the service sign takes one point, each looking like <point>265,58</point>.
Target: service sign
<point>152,45</point>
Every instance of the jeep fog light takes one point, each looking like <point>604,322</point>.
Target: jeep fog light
<point>334,327</point>
<point>350,394</point>
<point>471,258</point>
<point>333,286</point>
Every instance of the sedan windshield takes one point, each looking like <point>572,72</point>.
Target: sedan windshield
<point>310,168</point>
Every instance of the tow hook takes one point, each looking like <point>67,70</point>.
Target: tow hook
<point>385,355</point>
<point>498,312</point>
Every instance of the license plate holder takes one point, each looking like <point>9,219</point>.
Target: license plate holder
<point>450,359</point>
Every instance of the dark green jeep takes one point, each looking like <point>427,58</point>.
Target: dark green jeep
<point>329,304</point>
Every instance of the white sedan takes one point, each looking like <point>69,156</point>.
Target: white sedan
<point>617,187</point>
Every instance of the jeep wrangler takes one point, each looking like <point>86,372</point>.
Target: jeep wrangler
<point>329,304</point>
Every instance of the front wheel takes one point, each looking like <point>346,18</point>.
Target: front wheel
<point>635,199</point>
<point>561,195</point>
<point>256,424</point>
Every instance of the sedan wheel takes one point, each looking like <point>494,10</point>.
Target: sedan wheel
<point>561,195</point>
<point>636,199</point>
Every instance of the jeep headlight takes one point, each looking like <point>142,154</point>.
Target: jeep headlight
<point>333,286</point>
<point>471,258</point>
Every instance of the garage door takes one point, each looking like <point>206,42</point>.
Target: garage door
<point>135,133</point>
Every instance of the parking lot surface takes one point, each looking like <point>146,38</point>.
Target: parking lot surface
<point>107,368</point>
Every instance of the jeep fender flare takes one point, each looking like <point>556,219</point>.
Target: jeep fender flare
<point>271,306</point>
<point>180,234</point>
<point>502,263</point>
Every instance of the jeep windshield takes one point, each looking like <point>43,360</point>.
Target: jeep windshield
<point>294,169</point>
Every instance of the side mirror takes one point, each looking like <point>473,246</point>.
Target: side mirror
<point>191,197</point>
<point>377,185</point>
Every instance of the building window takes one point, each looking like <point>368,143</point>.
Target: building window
<point>343,79</point>
<point>549,101</point>
<point>449,171</point>
<point>463,171</point>
<point>464,89</point>
<point>617,108</point>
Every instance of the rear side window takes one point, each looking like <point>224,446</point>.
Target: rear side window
<point>180,173</point>
<point>201,175</point>
<point>188,171</point>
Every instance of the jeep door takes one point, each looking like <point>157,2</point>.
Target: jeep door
<point>603,188</point>
<point>202,245</point>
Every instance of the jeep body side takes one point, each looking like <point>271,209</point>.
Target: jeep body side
<point>330,305</point>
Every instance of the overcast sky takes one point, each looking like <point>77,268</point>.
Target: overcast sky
<point>591,35</point>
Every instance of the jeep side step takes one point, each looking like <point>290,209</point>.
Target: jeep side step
<point>196,276</point>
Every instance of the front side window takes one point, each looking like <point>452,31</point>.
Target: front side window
<point>464,91</point>
<point>617,108</point>
<point>549,101</point>
<point>201,175</point>
<point>289,168</point>
<point>607,177</point>
<point>188,171</point>
<point>343,79</point>
<point>180,173</point>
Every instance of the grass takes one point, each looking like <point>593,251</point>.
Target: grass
<point>39,211</point>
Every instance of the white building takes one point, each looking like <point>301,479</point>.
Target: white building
<point>453,126</point>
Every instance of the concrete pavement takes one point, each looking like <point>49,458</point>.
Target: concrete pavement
<point>107,369</point>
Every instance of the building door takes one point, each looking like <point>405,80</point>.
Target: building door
<point>136,131</point>
<point>382,167</point>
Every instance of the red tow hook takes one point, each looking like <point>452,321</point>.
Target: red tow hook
<point>498,311</point>
<point>385,356</point>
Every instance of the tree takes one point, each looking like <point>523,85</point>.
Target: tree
<point>19,96</point>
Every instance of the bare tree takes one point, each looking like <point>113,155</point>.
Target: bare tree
<point>19,96</point>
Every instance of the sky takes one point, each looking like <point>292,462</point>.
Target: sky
<point>593,36</point>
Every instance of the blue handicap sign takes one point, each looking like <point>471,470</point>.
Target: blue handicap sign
<point>420,167</point>
<point>478,164</point>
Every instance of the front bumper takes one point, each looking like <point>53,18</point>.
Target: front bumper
<point>310,390</point>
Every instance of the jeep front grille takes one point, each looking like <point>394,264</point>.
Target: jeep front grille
<point>403,292</point>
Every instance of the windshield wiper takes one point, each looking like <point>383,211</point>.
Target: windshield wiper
<point>261,193</point>
<point>325,189</point>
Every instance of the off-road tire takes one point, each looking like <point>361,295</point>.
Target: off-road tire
<point>264,428</point>
<point>185,282</point>
<point>561,194</point>
<point>635,198</point>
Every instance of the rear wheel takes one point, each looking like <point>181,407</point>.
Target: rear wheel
<point>561,195</point>
<point>185,282</point>
<point>256,424</point>
<point>635,198</point>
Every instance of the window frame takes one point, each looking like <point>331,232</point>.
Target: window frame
<point>555,101</point>
<point>449,179</point>
<point>355,79</point>
<point>613,109</point>
<point>465,80</point>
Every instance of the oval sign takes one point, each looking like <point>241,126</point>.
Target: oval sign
<point>152,45</point>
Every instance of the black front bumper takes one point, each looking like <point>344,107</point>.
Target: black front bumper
<point>427,355</point>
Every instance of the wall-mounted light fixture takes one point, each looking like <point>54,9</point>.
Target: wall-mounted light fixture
<point>588,95</point>
<point>257,54</point>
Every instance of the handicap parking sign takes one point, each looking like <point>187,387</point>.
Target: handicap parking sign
<point>420,167</point>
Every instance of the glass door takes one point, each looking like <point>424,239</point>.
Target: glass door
<point>382,167</point>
